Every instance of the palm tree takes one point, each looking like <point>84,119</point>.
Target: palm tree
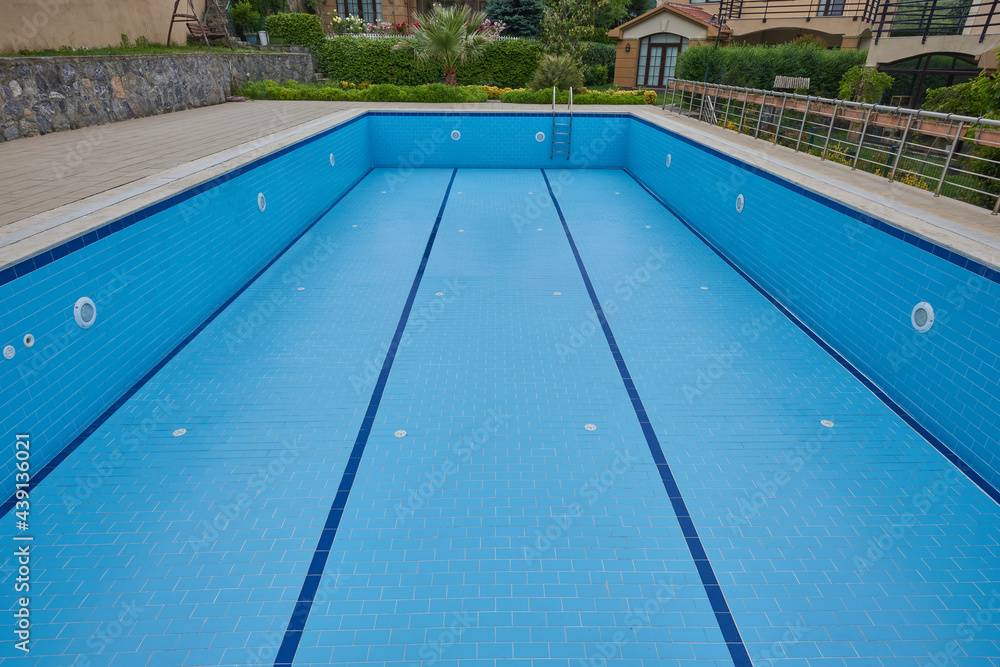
<point>451,36</point>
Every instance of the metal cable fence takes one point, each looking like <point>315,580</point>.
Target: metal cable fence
<point>952,156</point>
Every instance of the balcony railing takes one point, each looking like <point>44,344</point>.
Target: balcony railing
<point>932,18</point>
<point>763,10</point>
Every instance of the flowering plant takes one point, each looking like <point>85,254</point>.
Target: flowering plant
<point>386,28</point>
<point>347,25</point>
<point>491,29</point>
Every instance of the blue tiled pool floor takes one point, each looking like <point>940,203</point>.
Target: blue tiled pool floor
<point>500,530</point>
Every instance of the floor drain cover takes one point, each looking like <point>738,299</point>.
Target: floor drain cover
<point>301,288</point>
<point>827,423</point>
<point>438,293</point>
<point>590,427</point>
<point>400,433</point>
<point>704,288</point>
<point>557,294</point>
<point>179,432</point>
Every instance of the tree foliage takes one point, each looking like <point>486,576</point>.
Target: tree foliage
<point>523,17</point>
<point>979,97</point>
<point>557,70</point>
<point>864,84</point>
<point>567,23</point>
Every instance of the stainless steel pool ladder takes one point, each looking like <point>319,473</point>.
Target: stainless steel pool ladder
<point>559,137</point>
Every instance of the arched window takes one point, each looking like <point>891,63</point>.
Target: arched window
<point>658,58</point>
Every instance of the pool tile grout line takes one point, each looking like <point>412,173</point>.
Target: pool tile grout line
<point>910,421</point>
<point>723,615</point>
<point>37,478</point>
<point>303,605</point>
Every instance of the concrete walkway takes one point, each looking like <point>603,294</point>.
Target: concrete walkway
<point>60,185</point>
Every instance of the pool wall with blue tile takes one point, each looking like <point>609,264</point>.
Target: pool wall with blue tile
<point>854,281</point>
<point>154,276</point>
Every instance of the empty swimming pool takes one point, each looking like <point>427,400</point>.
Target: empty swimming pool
<point>515,416</point>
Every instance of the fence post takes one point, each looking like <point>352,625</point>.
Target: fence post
<point>951,154</point>
<point>829,134</point>
<point>802,127</point>
<point>743,114</point>
<point>902,143</point>
<point>704,94</point>
<point>861,141</point>
<point>781,115</point>
<point>760,116</point>
<point>729,101</point>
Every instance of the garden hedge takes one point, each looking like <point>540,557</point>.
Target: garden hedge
<point>505,63</point>
<point>757,66</point>
<point>292,90</point>
<point>295,28</point>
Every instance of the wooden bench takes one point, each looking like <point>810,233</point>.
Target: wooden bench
<point>200,32</point>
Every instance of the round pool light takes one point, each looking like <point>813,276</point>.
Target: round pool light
<point>740,203</point>
<point>261,201</point>
<point>333,162</point>
<point>456,135</point>
<point>922,317</point>
<point>539,137</point>
<point>668,160</point>
<point>85,312</point>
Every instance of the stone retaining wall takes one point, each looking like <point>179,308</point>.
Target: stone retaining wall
<point>42,95</point>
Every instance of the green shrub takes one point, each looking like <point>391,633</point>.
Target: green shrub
<point>595,54</point>
<point>295,28</point>
<point>562,97</point>
<point>560,71</point>
<point>757,66</point>
<point>506,63</point>
<point>595,75</point>
<point>292,90</point>
<point>359,59</point>
<point>979,97</point>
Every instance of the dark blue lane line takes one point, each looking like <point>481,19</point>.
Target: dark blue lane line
<point>297,622</point>
<point>724,617</point>
<point>945,451</point>
<point>38,477</point>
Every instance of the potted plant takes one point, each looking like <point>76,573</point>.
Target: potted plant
<point>246,19</point>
